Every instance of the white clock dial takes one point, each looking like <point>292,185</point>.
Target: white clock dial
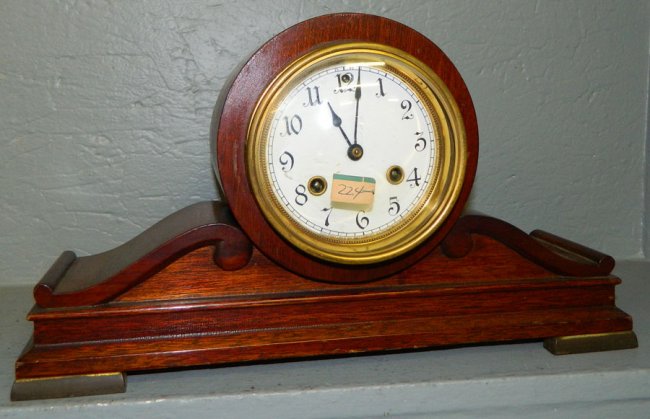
<point>351,150</point>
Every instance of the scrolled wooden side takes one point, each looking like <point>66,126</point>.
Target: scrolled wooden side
<point>74,282</point>
<point>554,253</point>
<point>53,276</point>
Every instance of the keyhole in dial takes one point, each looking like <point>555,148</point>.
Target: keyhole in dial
<point>317,185</point>
<point>395,175</point>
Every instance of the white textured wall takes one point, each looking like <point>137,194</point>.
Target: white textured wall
<point>105,109</point>
<point>646,216</point>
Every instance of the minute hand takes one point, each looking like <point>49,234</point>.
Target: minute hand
<point>357,96</point>
<point>336,121</point>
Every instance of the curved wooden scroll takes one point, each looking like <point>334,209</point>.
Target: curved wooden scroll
<point>554,253</point>
<point>78,281</point>
<point>81,281</point>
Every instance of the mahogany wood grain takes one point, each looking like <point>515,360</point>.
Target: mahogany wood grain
<point>545,249</point>
<point>73,281</point>
<point>221,316</point>
<point>262,276</point>
<point>181,250</point>
<point>191,312</point>
<point>235,107</point>
<point>180,350</point>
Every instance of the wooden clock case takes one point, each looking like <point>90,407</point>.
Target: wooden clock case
<point>213,284</point>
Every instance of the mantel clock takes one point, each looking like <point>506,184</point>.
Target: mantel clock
<point>345,149</point>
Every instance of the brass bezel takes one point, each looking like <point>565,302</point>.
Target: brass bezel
<point>436,203</point>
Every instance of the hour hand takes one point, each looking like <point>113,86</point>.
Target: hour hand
<point>336,121</point>
<point>355,151</point>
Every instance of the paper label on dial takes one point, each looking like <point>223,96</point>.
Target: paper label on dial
<point>352,190</point>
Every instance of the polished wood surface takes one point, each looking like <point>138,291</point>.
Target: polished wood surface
<point>235,108</point>
<point>73,281</point>
<point>487,285</point>
<point>547,250</point>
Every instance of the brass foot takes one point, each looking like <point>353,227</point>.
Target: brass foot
<point>578,344</point>
<point>68,386</point>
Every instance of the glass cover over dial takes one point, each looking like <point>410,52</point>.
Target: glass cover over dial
<point>353,153</point>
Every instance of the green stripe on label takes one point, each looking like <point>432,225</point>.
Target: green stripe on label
<point>338,176</point>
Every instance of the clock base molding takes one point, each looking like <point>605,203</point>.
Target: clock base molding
<point>192,291</point>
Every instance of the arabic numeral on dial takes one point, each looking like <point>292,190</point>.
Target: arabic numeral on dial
<point>327,219</point>
<point>292,125</point>
<point>362,221</point>
<point>313,97</point>
<point>381,88</point>
<point>301,196</point>
<point>344,79</point>
<point>420,143</point>
<point>394,207</point>
<point>413,178</point>
<point>406,105</point>
<point>286,161</point>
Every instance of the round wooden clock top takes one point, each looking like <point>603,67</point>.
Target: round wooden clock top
<point>236,107</point>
